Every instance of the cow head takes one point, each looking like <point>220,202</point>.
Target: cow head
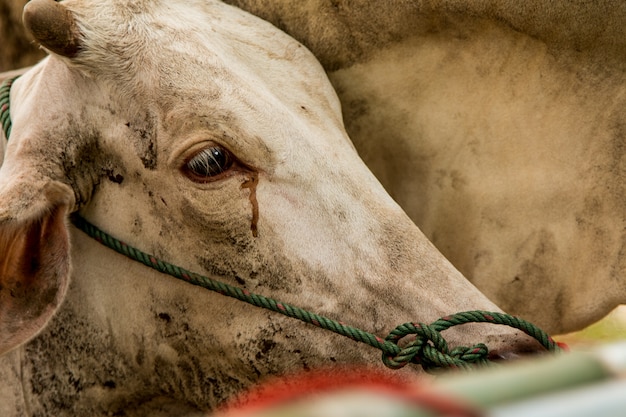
<point>209,138</point>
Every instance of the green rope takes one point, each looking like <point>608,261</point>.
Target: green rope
<point>5,115</point>
<point>428,348</point>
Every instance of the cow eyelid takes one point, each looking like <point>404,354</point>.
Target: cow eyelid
<point>210,162</point>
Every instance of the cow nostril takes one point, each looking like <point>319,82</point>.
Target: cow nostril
<point>523,347</point>
<point>523,352</point>
<point>504,356</point>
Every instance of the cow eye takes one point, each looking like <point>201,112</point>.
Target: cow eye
<point>209,162</point>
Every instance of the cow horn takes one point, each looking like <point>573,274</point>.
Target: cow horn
<point>53,26</point>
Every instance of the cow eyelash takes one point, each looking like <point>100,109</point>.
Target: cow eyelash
<point>209,163</point>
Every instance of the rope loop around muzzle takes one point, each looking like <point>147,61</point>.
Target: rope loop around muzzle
<point>427,348</point>
<point>430,349</point>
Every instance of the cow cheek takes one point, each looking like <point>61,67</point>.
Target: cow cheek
<point>34,274</point>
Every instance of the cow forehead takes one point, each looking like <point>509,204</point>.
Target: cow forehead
<point>167,46</point>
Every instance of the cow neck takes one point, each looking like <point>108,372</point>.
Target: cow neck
<point>428,348</point>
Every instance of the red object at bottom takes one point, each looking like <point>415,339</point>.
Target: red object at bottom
<point>315,385</point>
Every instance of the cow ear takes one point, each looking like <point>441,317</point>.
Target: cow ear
<point>34,274</point>
<point>53,26</point>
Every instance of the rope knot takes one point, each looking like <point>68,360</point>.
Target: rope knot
<point>429,349</point>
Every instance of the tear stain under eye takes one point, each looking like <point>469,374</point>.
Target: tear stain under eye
<point>252,183</point>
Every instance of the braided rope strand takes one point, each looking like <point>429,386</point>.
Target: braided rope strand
<point>5,114</point>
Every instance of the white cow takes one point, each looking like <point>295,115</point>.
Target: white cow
<point>209,138</point>
<point>499,127</point>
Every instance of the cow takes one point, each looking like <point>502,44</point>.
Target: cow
<point>207,137</point>
<point>432,99</point>
<point>498,126</point>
